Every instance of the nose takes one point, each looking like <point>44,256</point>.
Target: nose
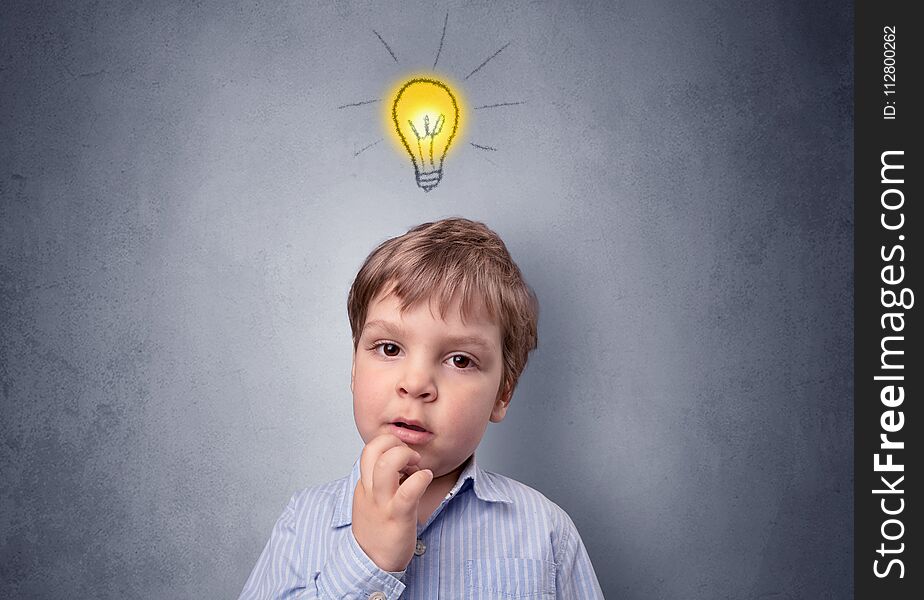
<point>416,382</point>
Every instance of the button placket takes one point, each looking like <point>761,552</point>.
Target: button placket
<point>420,548</point>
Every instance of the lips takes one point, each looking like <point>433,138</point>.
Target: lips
<point>409,424</point>
<point>410,432</point>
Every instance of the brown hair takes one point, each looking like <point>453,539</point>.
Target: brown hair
<point>446,259</point>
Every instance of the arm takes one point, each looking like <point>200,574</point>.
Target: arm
<point>349,573</point>
<point>575,577</point>
<point>280,571</point>
<point>275,573</point>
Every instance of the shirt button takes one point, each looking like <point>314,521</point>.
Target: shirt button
<point>421,548</point>
<point>377,596</point>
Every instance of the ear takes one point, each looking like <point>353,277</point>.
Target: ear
<point>352,371</point>
<point>501,404</point>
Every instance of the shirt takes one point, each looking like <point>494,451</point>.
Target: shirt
<point>491,537</point>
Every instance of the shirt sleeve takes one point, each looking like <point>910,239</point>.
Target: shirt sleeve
<point>276,572</point>
<point>576,577</point>
<point>348,573</point>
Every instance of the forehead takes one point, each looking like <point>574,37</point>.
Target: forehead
<point>388,308</point>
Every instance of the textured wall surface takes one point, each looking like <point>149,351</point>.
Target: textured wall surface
<point>183,207</point>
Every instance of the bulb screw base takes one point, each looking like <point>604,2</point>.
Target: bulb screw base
<point>427,180</point>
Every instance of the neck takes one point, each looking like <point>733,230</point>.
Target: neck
<point>447,481</point>
<point>437,491</point>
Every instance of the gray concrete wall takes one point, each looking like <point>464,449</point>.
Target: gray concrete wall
<point>182,214</point>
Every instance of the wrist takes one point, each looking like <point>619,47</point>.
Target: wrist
<point>381,557</point>
<point>350,573</point>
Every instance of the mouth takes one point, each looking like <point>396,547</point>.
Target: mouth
<point>411,432</point>
<point>412,426</point>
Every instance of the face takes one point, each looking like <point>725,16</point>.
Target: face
<point>431,373</point>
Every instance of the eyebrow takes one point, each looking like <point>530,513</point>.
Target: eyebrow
<point>463,340</point>
<point>470,340</point>
<point>385,326</point>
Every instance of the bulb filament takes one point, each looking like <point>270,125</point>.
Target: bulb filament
<point>428,134</point>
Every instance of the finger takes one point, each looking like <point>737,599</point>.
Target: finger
<point>407,499</point>
<point>371,454</point>
<point>407,472</point>
<point>387,471</point>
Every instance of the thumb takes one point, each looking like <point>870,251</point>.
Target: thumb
<point>407,498</point>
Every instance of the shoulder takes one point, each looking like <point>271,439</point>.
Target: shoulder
<point>544,532</point>
<point>533,505</point>
<point>322,492</point>
<point>539,527</point>
<point>318,503</point>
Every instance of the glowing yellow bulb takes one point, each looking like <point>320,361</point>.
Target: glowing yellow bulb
<point>425,116</point>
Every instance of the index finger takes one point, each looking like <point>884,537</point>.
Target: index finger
<point>371,453</point>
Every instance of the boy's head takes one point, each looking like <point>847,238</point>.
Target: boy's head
<point>446,261</point>
<point>441,312</point>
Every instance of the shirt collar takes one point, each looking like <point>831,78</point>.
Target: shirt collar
<point>482,481</point>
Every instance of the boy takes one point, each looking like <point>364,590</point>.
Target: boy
<point>442,324</point>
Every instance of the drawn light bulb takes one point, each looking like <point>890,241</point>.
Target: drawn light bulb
<point>425,115</point>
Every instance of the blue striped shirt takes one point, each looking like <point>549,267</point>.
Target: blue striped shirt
<point>491,537</point>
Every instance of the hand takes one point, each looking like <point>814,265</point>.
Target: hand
<point>384,508</point>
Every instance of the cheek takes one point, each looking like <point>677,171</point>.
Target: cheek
<point>367,377</point>
<point>368,394</point>
<point>476,405</point>
<point>360,387</point>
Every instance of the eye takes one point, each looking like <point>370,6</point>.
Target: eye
<point>385,349</point>
<point>389,349</point>
<point>461,361</point>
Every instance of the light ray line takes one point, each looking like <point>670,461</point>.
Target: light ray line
<point>478,68</point>
<point>442,37</point>
<point>499,105</point>
<point>355,154</point>
<point>359,103</point>
<point>384,43</point>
